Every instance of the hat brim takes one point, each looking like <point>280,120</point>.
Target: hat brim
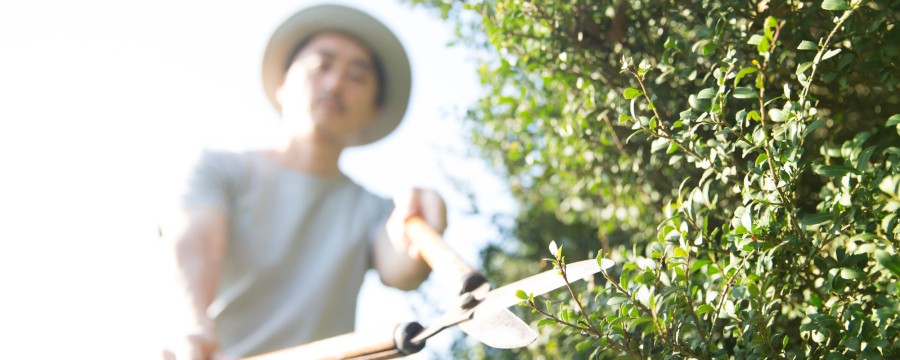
<point>382,42</point>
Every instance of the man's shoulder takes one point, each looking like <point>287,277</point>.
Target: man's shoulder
<point>228,158</point>
<point>226,167</point>
<point>371,201</point>
<point>229,154</point>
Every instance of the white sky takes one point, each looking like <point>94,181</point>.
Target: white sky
<point>102,103</point>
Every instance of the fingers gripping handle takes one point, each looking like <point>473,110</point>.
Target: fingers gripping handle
<point>439,257</point>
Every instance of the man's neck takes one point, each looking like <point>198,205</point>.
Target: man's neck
<point>312,155</point>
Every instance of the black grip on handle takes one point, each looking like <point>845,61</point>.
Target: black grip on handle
<point>472,281</point>
<point>403,335</point>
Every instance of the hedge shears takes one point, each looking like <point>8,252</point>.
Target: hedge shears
<point>481,313</point>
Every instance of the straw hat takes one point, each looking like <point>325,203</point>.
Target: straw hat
<point>382,42</point>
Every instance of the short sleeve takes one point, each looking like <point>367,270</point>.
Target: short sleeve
<point>210,182</point>
<point>381,210</point>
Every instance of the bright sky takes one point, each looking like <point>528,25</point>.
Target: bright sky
<point>103,102</point>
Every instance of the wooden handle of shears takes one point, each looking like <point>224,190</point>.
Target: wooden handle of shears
<point>354,346</point>
<point>439,256</point>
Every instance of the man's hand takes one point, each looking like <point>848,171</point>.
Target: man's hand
<point>423,203</point>
<point>395,257</point>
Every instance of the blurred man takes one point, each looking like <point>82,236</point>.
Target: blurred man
<point>273,245</point>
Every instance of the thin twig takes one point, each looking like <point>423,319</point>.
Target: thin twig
<point>824,46</point>
<point>762,119</point>
<point>571,292</point>
<point>589,331</point>
<point>724,294</point>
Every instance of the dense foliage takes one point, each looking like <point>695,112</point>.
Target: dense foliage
<point>737,159</point>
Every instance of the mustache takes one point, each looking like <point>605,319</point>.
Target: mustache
<point>331,97</point>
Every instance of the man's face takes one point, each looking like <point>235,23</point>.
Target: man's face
<point>331,87</point>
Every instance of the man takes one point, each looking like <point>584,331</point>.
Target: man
<point>273,245</point>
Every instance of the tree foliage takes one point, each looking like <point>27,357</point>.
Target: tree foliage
<point>737,159</point>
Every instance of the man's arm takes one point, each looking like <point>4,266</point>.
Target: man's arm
<point>199,239</point>
<point>398,262</point>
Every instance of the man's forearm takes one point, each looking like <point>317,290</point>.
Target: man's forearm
<point>199,252</point>
<point>197,275</point>
<point>396,268</point>
<point>395,257</point>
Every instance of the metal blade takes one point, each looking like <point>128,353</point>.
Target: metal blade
<point>505,296</point>
<point>499,329</point>
<point>450,318</point>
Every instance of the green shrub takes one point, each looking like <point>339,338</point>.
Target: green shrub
<point>737,159</point>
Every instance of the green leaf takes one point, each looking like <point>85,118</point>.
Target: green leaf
<point>545,322</point>
<point>616,321</point>
<point>763,46</point>
<point>672,147</point>
<point>812,127</point>
<point>604,262</point>
<point>753,115</point>
<point>744,72</point>
<point>581,346</point>
<point>890,185</point>
<point>887,222</point>
<point>852,274</point>
<point>888,261</point>
<point>761,159</point>
<point>815,219</point>
<point>835,5</point>
<point>670,43</point>
<point>893,120</point>
<point>705,308</point>
<point>639,321</point>
<point>862,162</point>
<point>776,115</point>
<point>744,92</point>
<point>754,39</point>
<point>699,264</point>
<point>863,237</point>
<point>616,300</point>
<point>818,337</point>
<point>679,252</point>
<point>825,322</point>
<point>771,24</point>
<point>707,93</point>
<point>807,45</point>
<point>521,295</point>
<point>630,93</point>
<point>671,290</point>
<point>830,53</point>
<point>656,250</point>
<point>802,67</point>
<point>835,170</point>
<point>565,315</point>
<point>658,144</point>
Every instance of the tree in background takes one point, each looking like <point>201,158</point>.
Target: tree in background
<point>737,159</point>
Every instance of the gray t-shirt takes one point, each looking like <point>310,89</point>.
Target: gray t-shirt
<point>298,249</point>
